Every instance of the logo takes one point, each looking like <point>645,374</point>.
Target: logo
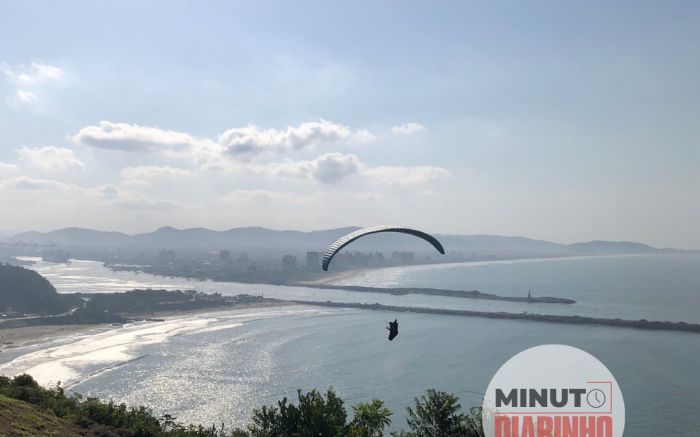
<point>553,391</point>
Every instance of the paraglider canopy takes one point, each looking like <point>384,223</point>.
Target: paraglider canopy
<point>349,238</point>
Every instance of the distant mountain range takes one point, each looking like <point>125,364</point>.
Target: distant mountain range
<point>257,239</point>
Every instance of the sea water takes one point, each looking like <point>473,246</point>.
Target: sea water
<point>216,367</point>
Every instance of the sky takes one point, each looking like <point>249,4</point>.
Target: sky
<point>564,121</point>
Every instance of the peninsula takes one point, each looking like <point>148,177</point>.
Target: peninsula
<point>473,294</point>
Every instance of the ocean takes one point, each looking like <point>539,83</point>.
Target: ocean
<point>216,367</point>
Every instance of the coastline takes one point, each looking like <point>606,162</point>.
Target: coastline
<point>462,294</point>
<point>171,314</point>
<point>23,336</point>
<point>14,338</point>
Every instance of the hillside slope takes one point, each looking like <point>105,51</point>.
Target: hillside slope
<point>25,291</point>
<point>19,418</point>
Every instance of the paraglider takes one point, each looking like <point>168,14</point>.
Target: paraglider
<point>393,329</point>
<point>349,238</point>
<point>338,245</point>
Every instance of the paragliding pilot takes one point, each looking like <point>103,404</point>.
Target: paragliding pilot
<point>393,329</point>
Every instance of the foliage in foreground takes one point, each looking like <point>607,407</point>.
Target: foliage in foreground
<point>434,414</point>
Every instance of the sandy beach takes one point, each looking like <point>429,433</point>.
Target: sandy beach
<point>11,338</point>
<point>17,337</point>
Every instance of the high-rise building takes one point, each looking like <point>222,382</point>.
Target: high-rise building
<point>313,260</point>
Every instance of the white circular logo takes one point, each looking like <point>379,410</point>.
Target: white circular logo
<point>553,391</point>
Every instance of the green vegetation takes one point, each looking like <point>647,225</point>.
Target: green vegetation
<point>29,409</point>
<point>25,291</point>
<point>144,301</point>
<point>28,299</point>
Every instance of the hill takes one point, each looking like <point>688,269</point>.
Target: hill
<point>19,418</point>
<point>611,247</point>
<point>27,409</point>
<point>25,291</point>
<point>262,240</point>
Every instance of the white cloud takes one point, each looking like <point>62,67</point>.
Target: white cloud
<point>237,145</point>
<point>7,168</point>
<point>236,148</point>
<point>134,138</point>
<point>51,158</point>
<point>33,73</point>
<point>406,129</point>
<point>149,203</point>
<point>151,173</point>
<point>47,191</point>
<point>28,79</point>
<point>108,191</point>
<point>24,97</point>
<point>248,142</point>
<point>131,199</point>
<point>405,175</point>
<point>27,183</point>
<point>252,195</point>
<point>329,168</point>
<point>362,136</point>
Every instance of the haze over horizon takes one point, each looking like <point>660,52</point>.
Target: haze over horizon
<point>75,236</point>
<point>545,120</point>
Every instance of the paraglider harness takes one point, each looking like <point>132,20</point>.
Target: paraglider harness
<point>393,329</point>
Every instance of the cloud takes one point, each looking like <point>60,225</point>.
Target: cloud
<point>33,73</point>
<point>149,203</point>
<point>134,138</point>
<point>362,136</point>
<point>108,191</point>
<point>47,191</point>
<point>50,158</point>
<point>408,129</point>
<point>28,78</point>
<point>241,144</point>
<point>150,173</point>
<point>239,149</point>
<point>128,199</point>
<point>405,175</point>
<point>25,97</point>
<point>246,143</point>
<point>252,195</point>
<point>7,168</point>
<point>329,168</point>
<point>33,184</point>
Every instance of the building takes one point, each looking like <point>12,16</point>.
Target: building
<point>313,260</point>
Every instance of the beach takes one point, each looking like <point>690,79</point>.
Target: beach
<point>11,338</point>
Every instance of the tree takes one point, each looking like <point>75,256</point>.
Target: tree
<point>316,415</point>
<point>473,422</point>
<point>437,414</point>
<point>370,419</point>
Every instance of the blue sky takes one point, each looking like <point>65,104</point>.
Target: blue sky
<point>565,121</point>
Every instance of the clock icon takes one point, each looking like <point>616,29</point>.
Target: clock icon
<point>595,398</point>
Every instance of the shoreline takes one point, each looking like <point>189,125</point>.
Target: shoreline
<point>462,294</point>
<point>171,314</point>
<point>24,336</point>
